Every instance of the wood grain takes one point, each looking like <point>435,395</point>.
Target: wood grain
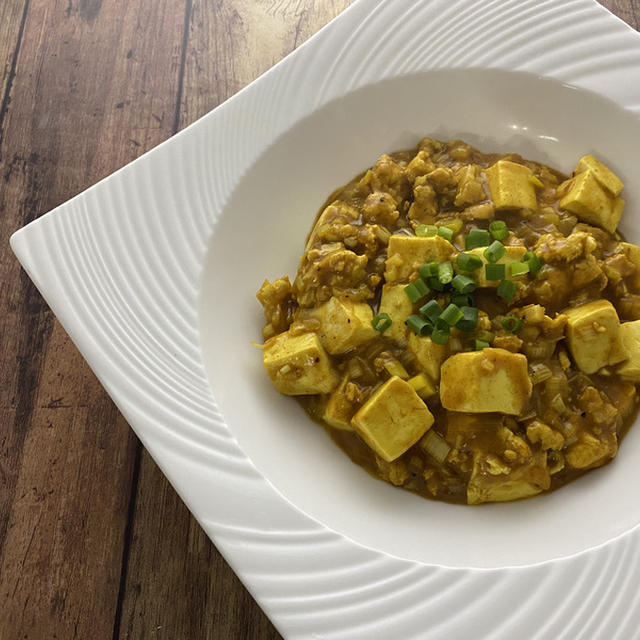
<point>94,543</point>
<point>92,82</point>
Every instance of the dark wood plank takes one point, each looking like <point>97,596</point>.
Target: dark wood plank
<point>12,18</point>
<point>95,85</point>
<point>178,585</point>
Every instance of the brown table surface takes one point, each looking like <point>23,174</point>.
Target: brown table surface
<point>94,542</point>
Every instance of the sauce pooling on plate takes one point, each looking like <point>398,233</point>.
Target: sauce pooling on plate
<point>465,325</point>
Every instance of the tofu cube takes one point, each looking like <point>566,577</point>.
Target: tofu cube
<point>593,335</point>
<point>428,355</point>
<point>339,409</point>
<point>491,483</point>
<point>591,202</point>
<point>632,253</point>
<point>589,452</point>
<point>601,173</point>
<point>630,344</point>
<point>513,254</point>
<point>486,381</point>
<point>393,419</point>
<point>510,186</point>
<point>406,253</point>
<point>298,365</point>
<point>394,301</point>
<point>344,324</point>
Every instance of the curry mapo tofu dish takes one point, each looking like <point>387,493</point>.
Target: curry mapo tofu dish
<point>465,325</point>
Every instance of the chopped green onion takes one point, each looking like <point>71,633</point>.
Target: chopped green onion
<point>495,251</point>
<point>426,230</point>
<point>452,315</point>
<point>494,271</point>
<point>469,320</point>
<point>381,322</point>
<point>481,344</point>
<point>440,335</point>
<point>463,299</point>
<point>431,311</point>
<point>486,336</point>
<point>498,229</point>
<point>417,290</point>
<point>477,238</point>
<point>506,289</point>
<point>446,233</point>
<point>511,324</point>
<point>468,261</point>
<point>419,325</point>
<point>428,270</point>
<point>435,284</point>
<point>519,269</point>
<point>463,284</point>
<point>533,261</point>
<point>445,272</point>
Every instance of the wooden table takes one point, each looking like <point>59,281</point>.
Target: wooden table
<point>94,543</point>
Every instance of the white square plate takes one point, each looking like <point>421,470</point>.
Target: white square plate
<point>153,271</point>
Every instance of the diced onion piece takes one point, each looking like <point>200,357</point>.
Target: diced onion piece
<point>539,373</point>
<point>436,446</point>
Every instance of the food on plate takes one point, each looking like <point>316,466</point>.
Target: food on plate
<point>465,325</point>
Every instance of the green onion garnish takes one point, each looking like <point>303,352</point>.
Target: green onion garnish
<point>495,251</point>
<point>519,268</point>
<point>477,238</point>
<point>463,299</point>
<point>506,289</point>
<point>463,284</point>
<point>428,270</point>
<point>469,320</point>
<point>534,262</point>
<point>435,284</point>
<point>452,315</point>
<point>381,322</point>
<point>431,311</point>
<point>419,325</point>
<point>426,230</point>
<point>511,324</point>
<point>446,233</point>
<point>440,335</point>
<point>494,271</point>
<point>445,272</point>
<point>498,229</point>
<point>417,290</point>
<point>468,261</point>
<point>481,344</point>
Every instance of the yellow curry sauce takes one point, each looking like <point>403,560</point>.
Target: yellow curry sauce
<point>465,325</point>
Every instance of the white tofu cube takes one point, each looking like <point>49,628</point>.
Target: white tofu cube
<point>491,484</point>
<point>428,354</point>
<point>393,419</point>
<point>601,172</point>
<point>339,409</point>
<point>298,365</point>
<point>406,253</point>
<point>396,304</point>
<point>485,381</point>
<point>630,343</point>
<point>344,324</point>
<point>510,186</point>
<point>591,202</point>
<point>593,335</point>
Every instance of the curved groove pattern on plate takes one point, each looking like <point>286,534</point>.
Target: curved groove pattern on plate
<point>121,271</point>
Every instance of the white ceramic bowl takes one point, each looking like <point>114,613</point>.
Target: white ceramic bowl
<point>153,273</point>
